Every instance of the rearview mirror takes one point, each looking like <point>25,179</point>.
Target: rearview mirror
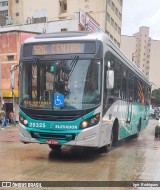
<point>110,79</point>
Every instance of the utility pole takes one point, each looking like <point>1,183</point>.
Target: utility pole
<point>1,84</point>
<point>12,71</point>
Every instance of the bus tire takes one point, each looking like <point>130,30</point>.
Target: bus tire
<point>115,130</point>
<point>107,147</point>
<point>55,147</point>
<point>157,131</point>
<point>156,135</point>
<point>138,129</point>
<point>113,139</point>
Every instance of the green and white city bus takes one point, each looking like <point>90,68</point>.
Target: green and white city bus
<point>78,88</point>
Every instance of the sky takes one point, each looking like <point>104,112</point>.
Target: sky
<point>137,13</point>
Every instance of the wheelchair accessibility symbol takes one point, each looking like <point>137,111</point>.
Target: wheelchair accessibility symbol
<point>58,100</point>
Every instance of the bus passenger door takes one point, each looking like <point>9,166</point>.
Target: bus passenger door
<point>108,99</point>
<point>127,91</point>
<point>129,114</point>
<point>130,100</point>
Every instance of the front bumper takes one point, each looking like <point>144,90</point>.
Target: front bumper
<point>88,137</point>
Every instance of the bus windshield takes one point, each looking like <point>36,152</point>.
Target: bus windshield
<point>60,84</point>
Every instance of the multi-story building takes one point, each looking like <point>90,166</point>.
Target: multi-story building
<point>114,20</point>
<point>9,55</point>
<point>3,12</point>
<point>107,13</point>
<point>144,52</point>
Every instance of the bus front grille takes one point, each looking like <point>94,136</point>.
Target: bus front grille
<point>56,136</point>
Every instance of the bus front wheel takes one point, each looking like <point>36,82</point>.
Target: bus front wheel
<point>55,147</point>
<point>107,147</point>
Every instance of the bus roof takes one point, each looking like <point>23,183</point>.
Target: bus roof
<point>85,35</point>
<point>66,36</point>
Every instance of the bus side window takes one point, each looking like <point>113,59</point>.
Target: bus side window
<point>131,87</point>
<point>149,94</point>
<point>117,79</point>
<point>124,84</point>
<point>135,90</point>
<point>145,95</point>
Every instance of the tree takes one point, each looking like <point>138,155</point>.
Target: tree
<point>155,97</point>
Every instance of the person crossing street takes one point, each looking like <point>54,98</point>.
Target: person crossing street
<point>2,118</point>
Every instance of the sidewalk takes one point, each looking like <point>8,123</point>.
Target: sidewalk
<point>8,126</point>
<point>9,133</point>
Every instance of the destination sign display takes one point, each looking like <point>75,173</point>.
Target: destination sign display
<point>59,48</point>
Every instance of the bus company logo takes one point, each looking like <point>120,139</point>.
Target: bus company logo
<point>66,127</point>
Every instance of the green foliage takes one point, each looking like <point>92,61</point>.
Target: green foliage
<point>155,97</point>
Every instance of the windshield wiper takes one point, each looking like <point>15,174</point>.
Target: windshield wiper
<point>73,64</point>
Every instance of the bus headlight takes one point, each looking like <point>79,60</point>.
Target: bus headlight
<point>84,124</point>
<point>23,120</point>
<point>91,121</point>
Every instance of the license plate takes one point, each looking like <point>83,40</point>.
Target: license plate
<point>50,141</point>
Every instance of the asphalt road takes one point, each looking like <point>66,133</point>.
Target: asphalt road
<point>132,160</point>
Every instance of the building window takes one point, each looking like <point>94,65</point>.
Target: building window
<point>116,11</point>
<point>111,36</point>
<point>39,20</point>
<point>107,32</point>
<point>108,18</point>
<point>115,26</point>
<point>3,4</point>
<point>17,1</point>
<point>10,57</point>
<point>63,29</point>
<point>17,14</point>
<point>63,6</point>
<point>120,16</point>
<point>4,13</point>
<point>113,6</point>
<point>112,22</point>
<point>119,30</point>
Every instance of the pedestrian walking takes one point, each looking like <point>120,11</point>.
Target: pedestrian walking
<point>11,117</point>
<point>2,118</point>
